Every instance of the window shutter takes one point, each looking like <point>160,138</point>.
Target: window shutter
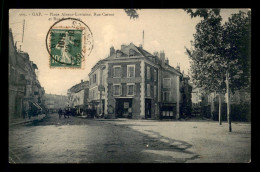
<point>134,89</point>
<point>113,90</point>
<point>120,88</point>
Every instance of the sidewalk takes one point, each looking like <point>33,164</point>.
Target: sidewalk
<point>26,120</point>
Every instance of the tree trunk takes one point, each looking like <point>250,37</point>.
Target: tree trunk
<point>228,102</point>
<point>219,109</point>
<point>212,105</point>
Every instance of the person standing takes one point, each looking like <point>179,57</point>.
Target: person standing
<point>60,113</point>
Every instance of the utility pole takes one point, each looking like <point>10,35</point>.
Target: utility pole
<point>228,102</point>
<point>219,110</point>
<point>23,29</point>
<point>143,38</point>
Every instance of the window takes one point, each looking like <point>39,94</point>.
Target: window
<point>117,71</point>
<point>131,52</point>
<point>166,96</point>
<point>130,89</point>
<point>154,91</point>
<point>148,90</point>
<point>94,78</point>
<point>166,82</point>
<point>148,72</point>
<point>155,75</point>
<point>117,90</point>
<point>130,71</point>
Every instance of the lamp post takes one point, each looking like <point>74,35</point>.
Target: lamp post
<point>101,88</point>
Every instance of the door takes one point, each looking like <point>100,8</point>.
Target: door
<point>148,108</point>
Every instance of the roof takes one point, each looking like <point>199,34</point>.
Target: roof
<point>78,87</point>
<point>138,53</point>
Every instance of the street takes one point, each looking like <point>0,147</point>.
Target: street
<point>77,140</point>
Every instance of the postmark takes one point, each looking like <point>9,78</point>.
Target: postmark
<point>69,41</point>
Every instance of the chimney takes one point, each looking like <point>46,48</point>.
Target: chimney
<point>162,57</point>
<point>178,67</point>
<point>112,51</point>
<point>156,53</point>
<point>141,46</point>
<point>82,81</point>
<point>123,46</point>
<point>167,61</point>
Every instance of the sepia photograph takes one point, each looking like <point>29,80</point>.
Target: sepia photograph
<point>129,86</point>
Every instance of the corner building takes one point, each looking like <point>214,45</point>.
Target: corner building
<point>128,83</point>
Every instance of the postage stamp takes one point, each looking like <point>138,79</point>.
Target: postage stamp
<point>68,42</point>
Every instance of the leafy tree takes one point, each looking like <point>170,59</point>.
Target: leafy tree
<point>220,54</point>
<point>132,13</point>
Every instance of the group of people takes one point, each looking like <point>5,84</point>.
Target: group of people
<point>65,112</point>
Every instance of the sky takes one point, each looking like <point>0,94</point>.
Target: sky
<point>170,30</point>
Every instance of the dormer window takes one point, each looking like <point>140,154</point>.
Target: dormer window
<point>131,52</point>
<point>118,53</point>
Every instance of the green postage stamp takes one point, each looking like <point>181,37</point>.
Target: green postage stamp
<point>68,42</point>
<point>66,46</point>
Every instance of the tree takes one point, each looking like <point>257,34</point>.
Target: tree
<point>132,13</point>
<point>220,55</point>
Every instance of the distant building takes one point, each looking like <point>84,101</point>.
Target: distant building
<point>53,102</point>
<point>78,95</point>
<point>196,95</point>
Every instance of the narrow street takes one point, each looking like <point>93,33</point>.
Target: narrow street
<point>76,140</point>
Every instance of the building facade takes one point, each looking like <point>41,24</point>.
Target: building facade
<point>54,102</point>
<point>26,96</point>
<point>132,82</point>
<point>78,95</point>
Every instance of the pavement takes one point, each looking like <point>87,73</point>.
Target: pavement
<point>20,121</point>
<point>79,140</point>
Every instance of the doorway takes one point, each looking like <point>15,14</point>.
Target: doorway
<point>123,108</point>
<point>148,113</point>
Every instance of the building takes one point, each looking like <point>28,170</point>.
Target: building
<point>186,96</point>
<point>26,96</point>
<point>132,82</point>
<point>78,95</point>
<point>54,102</point>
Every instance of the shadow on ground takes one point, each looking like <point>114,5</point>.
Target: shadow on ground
<point>119,143</point>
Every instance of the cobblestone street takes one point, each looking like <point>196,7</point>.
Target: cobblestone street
<point>76,140</point>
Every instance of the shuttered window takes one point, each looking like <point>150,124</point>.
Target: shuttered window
<point>131,89</point>
<point>117,90</point>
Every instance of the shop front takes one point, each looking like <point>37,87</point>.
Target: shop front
<point>168,111</point>
<point>123,108</point>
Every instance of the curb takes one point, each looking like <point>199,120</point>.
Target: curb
<point>25,122</point>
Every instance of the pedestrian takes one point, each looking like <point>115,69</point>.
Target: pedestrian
<point>60,113</point>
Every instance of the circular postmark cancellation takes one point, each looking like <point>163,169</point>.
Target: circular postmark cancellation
<point>68,42</point>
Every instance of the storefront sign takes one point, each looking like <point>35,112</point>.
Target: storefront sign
<point>126,105</point>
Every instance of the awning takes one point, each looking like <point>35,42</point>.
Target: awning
<point>36,105</point>
<point>124,97</point>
